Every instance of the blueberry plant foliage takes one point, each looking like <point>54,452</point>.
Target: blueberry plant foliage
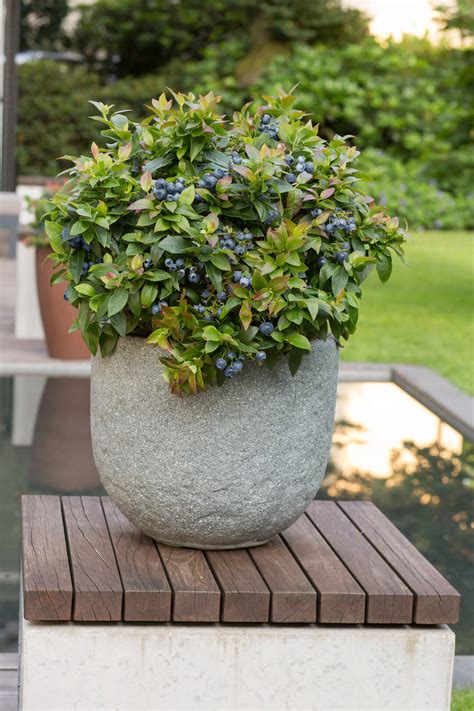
<point>222,242</point>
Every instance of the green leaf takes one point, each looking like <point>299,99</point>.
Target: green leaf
<point>117,301</point>
<point>197,144</point>
<point>91,337</point>
<point>339,279</point>
<point>175,244</point>
<point>298,341</point>
<point>157,163</point>
<point>119,322</point>
<point>187,196</point>
<point>76,262</point>
<point>245,314</point>
<point>85,289</point>
<point>384,267</point>
<point>148,294</point>
<point>220,261</point>
<point>84,315</point>
<point>107,343</point>
<point>313,307</point>
<point>134,303</point>
<point>214,275</point>
<point>294,360</point>
<point>78,228</point>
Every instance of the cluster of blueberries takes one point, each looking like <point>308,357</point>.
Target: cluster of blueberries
<point>302,166</point>
<point>239,243</point>
<point>337,221</point>
<point>269,127</point>
<point>77,242</point>
<point>156,308</point>
<point>233,363</point>
<point>168,190</point>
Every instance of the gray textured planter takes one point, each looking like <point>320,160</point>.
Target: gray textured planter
<point>226,468</point>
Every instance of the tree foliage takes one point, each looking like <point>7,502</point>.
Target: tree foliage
<point>41,24</point>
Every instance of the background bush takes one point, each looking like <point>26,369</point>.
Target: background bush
<point>408,101</point>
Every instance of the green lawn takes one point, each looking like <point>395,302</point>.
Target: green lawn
<point>425,313</point>
<point>463,700</point>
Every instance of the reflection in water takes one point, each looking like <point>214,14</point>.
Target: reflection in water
<point>425,485</point>
<point>388,417</point>
<point>61,453</point>
<point>386,448</point>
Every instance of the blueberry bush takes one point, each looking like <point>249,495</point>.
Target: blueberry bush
<point>220,242</point>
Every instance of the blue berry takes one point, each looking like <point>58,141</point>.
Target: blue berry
<point>170,197</point>
<point>237,276</point>
<point>155,309</point>
<point>341,257</point>
<point>291,178</point>
<point>179,262</point>
<point>299,167</point>
<point>222,296</point>
<point>160,194</point>
<point>205,295</point>
<point>231,355</point>
<point>181,273</point>
<point>245,281</point>
<point>309,167</point>
<point>65,296</point>
<point>170,264</point>
<point>261,355</point>
<point>346,246</point>
<point>240,249</point>
<point>200,308</point>
<point>218,312</point>
<point>289,160</point>
<point>266,328</point>
<point>194,278</point>
<point>237,366</point>
<point>236,159</point>
<point>300,159</point>
<point>209,181</point>
<point>320,262</point>
<point>230,371</point>
<point>221,363</point>
<point>316,212</point>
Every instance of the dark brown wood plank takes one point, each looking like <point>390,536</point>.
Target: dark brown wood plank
<point>196,595</point>
<point>293,597</point>
<point>436,601</point>
<point>246,598</point>
<point>389,600</point>
<point>341,600</point>
<point>147,593</point>
<point>47,584</point>
<point>97,587</point>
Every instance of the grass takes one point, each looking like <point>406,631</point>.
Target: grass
<point>425,313</point>
<point>463,700</point>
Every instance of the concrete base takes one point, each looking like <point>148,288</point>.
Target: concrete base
<point>138,667</point>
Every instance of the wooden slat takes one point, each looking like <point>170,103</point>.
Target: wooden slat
<point>147,593</point>
<point>436,600</point>
<point>246,598</point>
<point>97,587</point>
<point>47,585</point>
<point>196,595</point>
<point>341,600</point>
<point>389,601</point>
<point>293,597</point>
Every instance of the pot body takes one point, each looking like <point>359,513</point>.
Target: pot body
<point>226,468</point>
<point>56,313</point>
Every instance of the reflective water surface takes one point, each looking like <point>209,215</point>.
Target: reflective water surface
<point>387,448</point>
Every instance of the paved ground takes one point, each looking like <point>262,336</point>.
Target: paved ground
<point>8,682</point>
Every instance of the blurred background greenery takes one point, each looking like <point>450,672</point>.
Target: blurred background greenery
<point>407,103</point>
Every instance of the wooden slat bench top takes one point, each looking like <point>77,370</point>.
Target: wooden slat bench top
<point>340,563</point>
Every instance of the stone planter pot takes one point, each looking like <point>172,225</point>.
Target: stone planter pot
<point>226,468</point>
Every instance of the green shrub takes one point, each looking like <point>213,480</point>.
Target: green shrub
<point>53,112</point>
<point>408,191</point>
<point>219,242</point>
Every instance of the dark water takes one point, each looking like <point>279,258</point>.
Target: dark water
<point>387,448</point>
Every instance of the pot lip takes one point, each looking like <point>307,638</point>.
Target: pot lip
<point>136,338</point>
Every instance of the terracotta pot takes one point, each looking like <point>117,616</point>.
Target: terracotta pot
<point>61,452</point>
<point>57,314</point>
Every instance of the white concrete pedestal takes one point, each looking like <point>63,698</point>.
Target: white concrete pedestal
<point>137,667</point>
